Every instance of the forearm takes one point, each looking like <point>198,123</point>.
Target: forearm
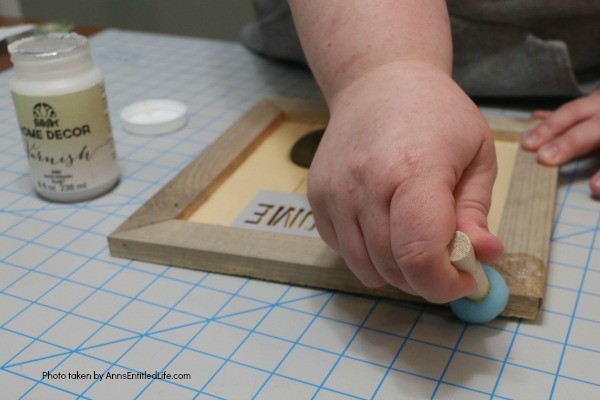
<point>345,39</point>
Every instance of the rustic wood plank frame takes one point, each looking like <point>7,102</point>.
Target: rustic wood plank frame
<point>158,231</point>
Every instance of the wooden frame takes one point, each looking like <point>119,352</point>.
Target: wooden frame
<point>158,232</point>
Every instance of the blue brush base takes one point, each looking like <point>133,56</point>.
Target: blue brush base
<point>488,308</point>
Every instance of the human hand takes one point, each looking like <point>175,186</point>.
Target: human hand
<point>569,132</point>
<point>406,160</point>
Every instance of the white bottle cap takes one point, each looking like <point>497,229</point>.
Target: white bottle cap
<point>153,117</point>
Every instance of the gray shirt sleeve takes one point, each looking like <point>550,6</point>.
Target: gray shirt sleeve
<point>501,48</point>
<point>273,34</point>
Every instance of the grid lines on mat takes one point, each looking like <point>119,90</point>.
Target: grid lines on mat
<point>67,306</point>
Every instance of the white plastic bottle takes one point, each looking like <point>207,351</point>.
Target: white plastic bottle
<point>63,118</point>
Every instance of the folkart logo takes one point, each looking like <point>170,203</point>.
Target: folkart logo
<point>44,116</point>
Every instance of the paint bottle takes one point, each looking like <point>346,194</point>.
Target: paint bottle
<point>62,112</point>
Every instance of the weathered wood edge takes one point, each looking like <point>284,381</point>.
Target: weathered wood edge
<point>525,229</point>
<point>302,110</point>
<point>263,255</point>
<point>237,251</point>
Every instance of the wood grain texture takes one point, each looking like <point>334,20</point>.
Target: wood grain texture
<point>525,231</point>
<point>158,231</point>
<point>462,256</point>
<point>526,224</point>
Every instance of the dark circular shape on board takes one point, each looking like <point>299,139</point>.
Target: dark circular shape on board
<point>305,148</point>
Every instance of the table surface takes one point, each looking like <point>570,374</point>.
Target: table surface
<point>67,306</point>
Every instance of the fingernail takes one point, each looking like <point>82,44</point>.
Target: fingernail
<point>549,153</point>
<point>532,139</point>
<point>595,184</point>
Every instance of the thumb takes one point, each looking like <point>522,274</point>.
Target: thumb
<point>473,197</point>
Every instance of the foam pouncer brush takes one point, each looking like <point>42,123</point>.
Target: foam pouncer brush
<point>490,297</point>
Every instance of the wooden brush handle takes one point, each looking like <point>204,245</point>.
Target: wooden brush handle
<point>462,256</point>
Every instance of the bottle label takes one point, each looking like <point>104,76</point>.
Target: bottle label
<point>68,140</point>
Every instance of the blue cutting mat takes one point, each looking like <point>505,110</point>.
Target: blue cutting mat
<point>67,307</point>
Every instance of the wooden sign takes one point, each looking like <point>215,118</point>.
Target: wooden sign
<point>240,208</point>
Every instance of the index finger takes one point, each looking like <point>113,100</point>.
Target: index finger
<point>560,120</point>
